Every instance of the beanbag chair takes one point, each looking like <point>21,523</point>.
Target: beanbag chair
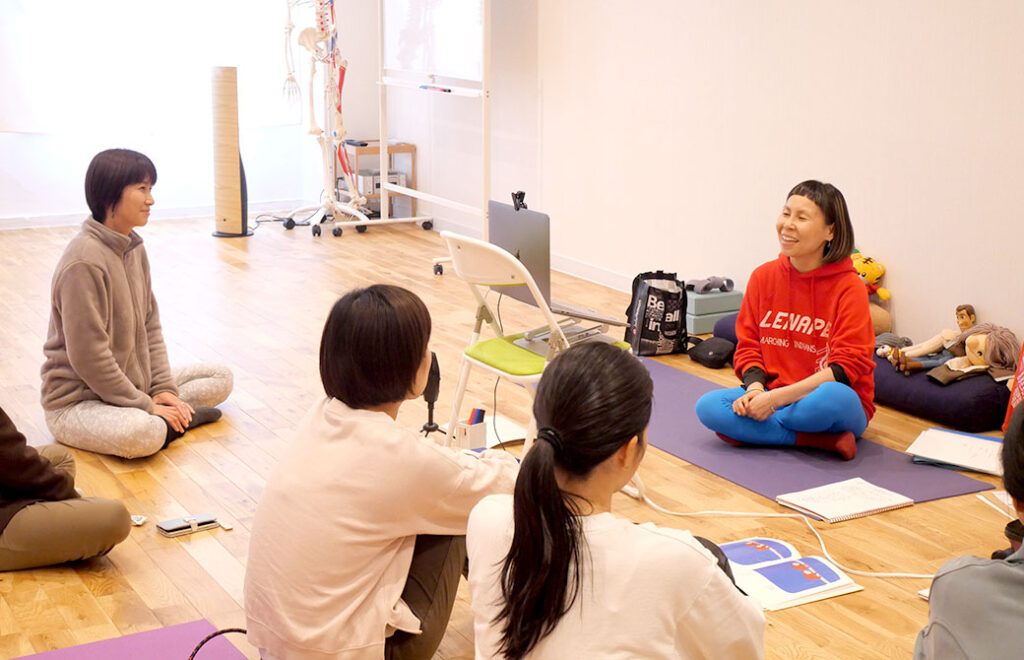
<point>974,404</point>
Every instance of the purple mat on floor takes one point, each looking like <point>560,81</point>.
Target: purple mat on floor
<point>171,643</point>
<point>769,471</point>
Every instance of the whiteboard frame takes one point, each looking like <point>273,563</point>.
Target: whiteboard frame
<point>385,81</point>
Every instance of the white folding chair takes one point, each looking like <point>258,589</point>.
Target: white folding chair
<point>482,265</point>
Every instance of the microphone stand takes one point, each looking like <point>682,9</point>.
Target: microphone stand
<point>430,393</point>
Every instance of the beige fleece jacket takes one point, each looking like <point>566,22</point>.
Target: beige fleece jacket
<point>334,532</point>
<point>104,341</point>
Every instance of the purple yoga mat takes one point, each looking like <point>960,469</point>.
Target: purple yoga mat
<point>770,471</point>
<point>171,643</point>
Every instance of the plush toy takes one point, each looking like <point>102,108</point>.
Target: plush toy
<point>952,355</point>
<point>881,319</point>
<point>988,348</point>
<point>965,320</point>
<point>871,272</point>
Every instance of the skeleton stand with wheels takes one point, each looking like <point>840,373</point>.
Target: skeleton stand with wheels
<point>322,44</point>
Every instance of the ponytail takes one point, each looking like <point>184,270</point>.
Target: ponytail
<point>541,575</point>
<point>593,399</point>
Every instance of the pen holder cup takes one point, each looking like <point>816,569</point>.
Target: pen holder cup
<point>471,436</point>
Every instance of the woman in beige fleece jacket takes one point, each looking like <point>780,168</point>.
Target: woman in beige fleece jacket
<point>359,541</point>
<point>107,384</point>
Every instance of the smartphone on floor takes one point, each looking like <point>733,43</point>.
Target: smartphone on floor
<point>187,525</point>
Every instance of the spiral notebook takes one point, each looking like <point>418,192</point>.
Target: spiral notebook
<point>844,500</point>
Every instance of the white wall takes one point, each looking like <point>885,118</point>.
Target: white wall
<point>666,134</point>
<point>149,90</point>
<point>673,129</point>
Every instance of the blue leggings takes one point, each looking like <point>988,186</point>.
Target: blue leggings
<point>830,408</point>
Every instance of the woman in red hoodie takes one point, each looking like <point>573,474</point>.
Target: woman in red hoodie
<point>804,337</point>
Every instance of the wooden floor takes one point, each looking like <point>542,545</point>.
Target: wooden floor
<point>258,304</point>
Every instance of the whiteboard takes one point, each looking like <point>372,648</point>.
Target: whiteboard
<point>435,37</point>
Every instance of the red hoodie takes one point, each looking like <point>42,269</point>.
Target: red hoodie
<point>793,324</point>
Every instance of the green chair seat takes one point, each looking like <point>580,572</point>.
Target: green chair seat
<point>503,355</point>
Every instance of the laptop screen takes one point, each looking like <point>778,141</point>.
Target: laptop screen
<point>526,235</point>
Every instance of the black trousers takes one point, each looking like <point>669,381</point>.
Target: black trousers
<point>437,565</point>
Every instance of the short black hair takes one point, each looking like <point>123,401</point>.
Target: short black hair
<point>373,344</point>
<point>833,205</point>
<point>1013,455</point>
<point>109,173</point>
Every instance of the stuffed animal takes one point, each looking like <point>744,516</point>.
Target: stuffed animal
<point>881,319</point>
<point>966,319</point>
<point>987,347</point>
<point>871,272</point>
<point>951,356</point>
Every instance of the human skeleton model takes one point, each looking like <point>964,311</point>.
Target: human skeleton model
<point>322,43</point>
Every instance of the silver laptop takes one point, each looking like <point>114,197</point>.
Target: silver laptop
<point>526,235</point>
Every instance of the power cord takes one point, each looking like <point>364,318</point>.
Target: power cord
<point>264,218</point>
<point>635,488</point>
<point>211,636</point>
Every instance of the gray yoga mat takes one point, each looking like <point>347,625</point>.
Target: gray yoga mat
<point>771,471</point>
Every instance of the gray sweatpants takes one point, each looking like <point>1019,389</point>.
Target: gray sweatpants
<point>48,533</point>
<point>131,432</point>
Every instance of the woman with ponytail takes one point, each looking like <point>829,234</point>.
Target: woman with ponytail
<point>554,574</point>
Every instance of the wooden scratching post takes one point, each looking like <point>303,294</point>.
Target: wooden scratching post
<point>230,203</point>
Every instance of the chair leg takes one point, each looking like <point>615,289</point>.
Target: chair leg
<point>531,430</point>
<point>460,393</point>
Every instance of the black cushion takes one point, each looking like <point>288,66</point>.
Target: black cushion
<point>974,404</point>
<point>725,327</point>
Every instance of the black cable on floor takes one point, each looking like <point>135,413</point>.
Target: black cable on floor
<point>211,636</point>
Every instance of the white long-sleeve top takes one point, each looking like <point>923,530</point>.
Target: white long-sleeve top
<point>646,592</point>
<point>333,536</point>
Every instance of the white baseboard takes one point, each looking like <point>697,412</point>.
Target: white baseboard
<point>71,219</point>
<point>473,231</point>
<point>597,274</point>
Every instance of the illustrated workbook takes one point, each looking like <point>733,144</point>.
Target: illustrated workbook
<point>774,573</point>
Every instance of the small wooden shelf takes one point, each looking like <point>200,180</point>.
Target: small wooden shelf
<point>372,148</point>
